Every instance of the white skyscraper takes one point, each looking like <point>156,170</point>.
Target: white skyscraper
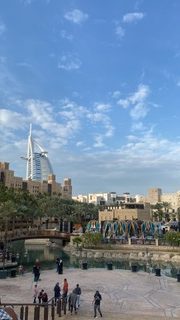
<point>38,164</point>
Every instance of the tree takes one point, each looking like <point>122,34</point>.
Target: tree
<point>160,211</point>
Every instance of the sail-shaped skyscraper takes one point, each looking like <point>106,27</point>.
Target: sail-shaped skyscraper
<point>38,164</point>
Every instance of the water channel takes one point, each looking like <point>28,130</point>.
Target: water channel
<point>28,253</point>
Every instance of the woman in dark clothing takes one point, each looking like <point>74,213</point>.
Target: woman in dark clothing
<point>40,295</point>
<point>44,298</point>
<point>57,292</point>
<point>60,267</point>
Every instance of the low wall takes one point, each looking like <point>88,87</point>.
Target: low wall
<point>130,252</point>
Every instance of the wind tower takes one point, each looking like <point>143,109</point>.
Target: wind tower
<point>38,164</point>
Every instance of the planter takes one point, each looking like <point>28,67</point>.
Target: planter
<point>3,274</point>
<point>178,277</point>
<point>109,266</point>
<point>84,265</point>
<point>134,268</point>
<point>158,272</point>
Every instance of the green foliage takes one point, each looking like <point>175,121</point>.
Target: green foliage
<point>173,238</point>
<point>92,239</point>
<point>77,241</point>
<point>20,203</point>
<point>160,211</point>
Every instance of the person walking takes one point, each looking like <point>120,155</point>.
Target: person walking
<point>60,267</point>
<point>72,300</point>
<point>36,272</point>
<point>35,295</point>
<point>65,288</point>
<point>78,293</point>
<point>97,302</point>
<point>40,295</point>
<point>57,292</point>
<point>44,298</point>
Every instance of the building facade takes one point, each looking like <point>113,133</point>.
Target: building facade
<point>154,195</point>
<point>105,198</point>
<point>126,212</point>
<point>173,199</point>
<point>49,186</point>
<point>38,166</point>
<point>81,198</point>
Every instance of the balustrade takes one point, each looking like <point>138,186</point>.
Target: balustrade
<point>29,311</point>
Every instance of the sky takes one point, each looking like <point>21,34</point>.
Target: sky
<point>100,83</point>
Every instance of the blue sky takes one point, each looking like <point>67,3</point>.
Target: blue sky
<point>100,83</point>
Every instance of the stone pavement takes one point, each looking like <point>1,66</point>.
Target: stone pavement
<point>125,295</point>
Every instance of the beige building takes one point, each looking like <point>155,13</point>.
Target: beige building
<point>154,195</point>
<point>172,198</point>
<point>126,212</point>
<point>99,198</point>
<point>7,177</point>
<point>80,198</point>
<point>34,187</point>
<point>67,188</point>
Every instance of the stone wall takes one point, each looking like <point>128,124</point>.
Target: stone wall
<point>130,253</point>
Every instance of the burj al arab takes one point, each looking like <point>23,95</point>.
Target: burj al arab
<point>38,164</point>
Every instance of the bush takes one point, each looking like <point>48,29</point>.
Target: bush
<point>77,241</point>
<point>173,238</point>
<point>92,239</point>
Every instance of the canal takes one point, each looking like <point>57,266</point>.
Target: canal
<point>27,254</point>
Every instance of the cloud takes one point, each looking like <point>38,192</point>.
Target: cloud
<point>80,143</point>
<point>124,103</point>
<point>116,94</point>
<point>27,2</point>
<point>140,95</point>
<point>42,113</point>
<point>24,64</point>
<point>11,119</point>
<point>133,17</point>
<point>69,62</point>
<point>76,16</point>
<point>139,111</point>
<point>138,126</point>
<point>9,85</point>
<point>66,35</point>
<point>140,163</point>
<point>120,32</point>
<point>137,102</point>
<point>102,107</point>
<point>98,141</point>
<point>99,115</point>
<point>2,28</point>
<point>138,106</point>
<point>150,149</point>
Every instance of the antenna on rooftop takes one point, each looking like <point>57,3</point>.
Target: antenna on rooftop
<point>30,129</point>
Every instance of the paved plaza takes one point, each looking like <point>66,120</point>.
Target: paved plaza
<point>125,295</point>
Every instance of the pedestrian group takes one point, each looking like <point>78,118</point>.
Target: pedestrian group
<point>72,299</point>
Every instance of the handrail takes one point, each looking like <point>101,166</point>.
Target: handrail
<point>34,233</point>
<point>60,307</point>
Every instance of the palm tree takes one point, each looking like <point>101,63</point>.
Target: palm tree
<point>8,212</point>
<point>166,207</point>
<point>158,211</point>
